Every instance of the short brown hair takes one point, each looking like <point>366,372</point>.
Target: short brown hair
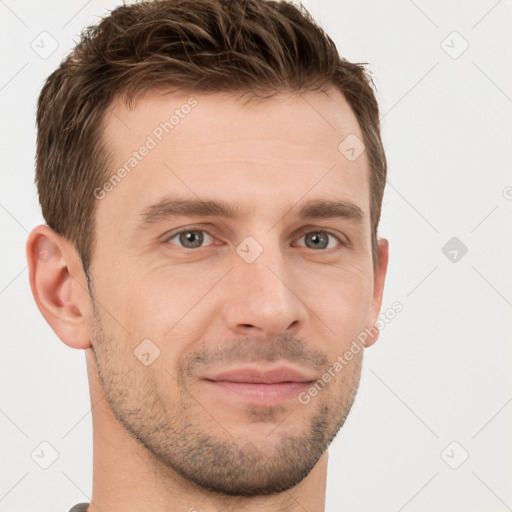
<point>247,46</point>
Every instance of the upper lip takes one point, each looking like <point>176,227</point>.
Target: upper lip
<point>272,376</point>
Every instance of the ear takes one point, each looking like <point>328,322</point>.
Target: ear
<point>378,289</point>
<point>59,286</point>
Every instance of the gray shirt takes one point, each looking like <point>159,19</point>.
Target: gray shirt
<point>79,507</point>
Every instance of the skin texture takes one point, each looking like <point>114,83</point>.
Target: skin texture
<point>164,438</point>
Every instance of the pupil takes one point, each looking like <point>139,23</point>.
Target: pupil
<point>318,240</point>
<point>192,239</point>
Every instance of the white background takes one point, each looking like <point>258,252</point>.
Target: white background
<point>441,369</point>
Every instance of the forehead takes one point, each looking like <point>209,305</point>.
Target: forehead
<point>325,116</point>
<point>236,148</point>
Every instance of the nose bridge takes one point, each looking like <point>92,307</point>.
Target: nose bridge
<point>261,287</point>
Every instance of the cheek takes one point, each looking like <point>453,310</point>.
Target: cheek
<point>159,309</point>
<point>135,298</point>
<point>343,303</point>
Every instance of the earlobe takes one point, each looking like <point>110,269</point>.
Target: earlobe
<point>55,273</point>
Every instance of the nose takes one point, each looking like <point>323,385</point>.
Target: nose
<point>263,297</point>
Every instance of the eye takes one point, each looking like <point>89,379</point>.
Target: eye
<point>190,238</point>
<point>320,239</point>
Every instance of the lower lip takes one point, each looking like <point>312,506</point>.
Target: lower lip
<point>265,394</point>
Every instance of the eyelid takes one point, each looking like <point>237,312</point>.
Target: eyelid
<point>172,234</point>
<point>342,239</point>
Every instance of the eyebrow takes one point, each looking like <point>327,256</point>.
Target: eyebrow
<point>169,207</point>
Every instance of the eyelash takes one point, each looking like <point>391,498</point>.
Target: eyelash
<point>342,242</point>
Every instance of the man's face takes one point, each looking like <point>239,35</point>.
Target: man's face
<point>264,289</point>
